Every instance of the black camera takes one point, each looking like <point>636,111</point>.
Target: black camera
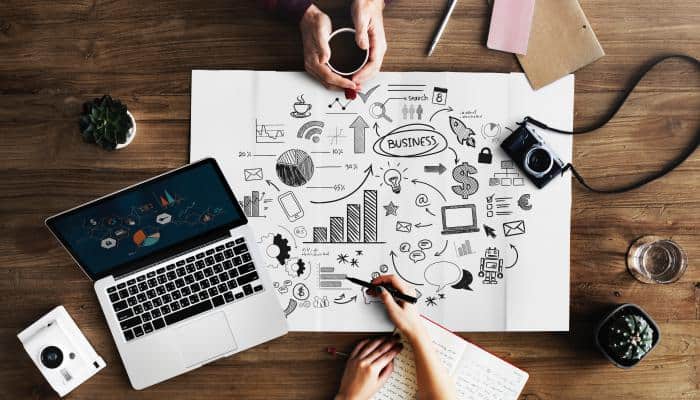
<point>533,156</point>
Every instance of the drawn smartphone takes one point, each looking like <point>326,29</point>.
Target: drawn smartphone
<point>291,207</point>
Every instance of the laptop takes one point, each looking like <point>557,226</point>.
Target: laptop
<point>177,272</point>
<point>459,219</point>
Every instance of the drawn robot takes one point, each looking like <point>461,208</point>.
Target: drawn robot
<point>491,267</point>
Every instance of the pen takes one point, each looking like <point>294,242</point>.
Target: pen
<point>450,7</point>
<point>393,292</point>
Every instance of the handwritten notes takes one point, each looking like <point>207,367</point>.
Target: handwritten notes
<point>477,374</point>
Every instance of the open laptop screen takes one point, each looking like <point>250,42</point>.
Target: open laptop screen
<point>455,217</point>
<point>149,221</point>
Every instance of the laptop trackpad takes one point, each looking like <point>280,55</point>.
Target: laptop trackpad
<point>205,339</point>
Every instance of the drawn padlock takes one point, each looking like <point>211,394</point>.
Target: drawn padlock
<point>485,156</point>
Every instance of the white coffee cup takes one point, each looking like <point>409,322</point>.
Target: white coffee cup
<point>346,73</point>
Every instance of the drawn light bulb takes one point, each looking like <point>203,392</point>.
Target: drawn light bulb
<point>392,177</point>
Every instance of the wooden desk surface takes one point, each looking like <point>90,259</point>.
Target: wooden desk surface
<point>56,54</point>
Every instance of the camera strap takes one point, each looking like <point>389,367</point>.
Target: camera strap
<point>670,166</point>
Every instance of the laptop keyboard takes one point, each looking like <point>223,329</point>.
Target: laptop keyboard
<point>185,288</point>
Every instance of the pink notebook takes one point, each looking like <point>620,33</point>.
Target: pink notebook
<point>510,25</point>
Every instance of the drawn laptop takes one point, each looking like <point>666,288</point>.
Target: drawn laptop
<point>176,271</point>
<point>459,219</point>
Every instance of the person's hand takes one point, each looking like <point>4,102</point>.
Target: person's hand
<point>315,29</point>
<point>369,366</point>
<point>369,26</point>
<point>402,314</point>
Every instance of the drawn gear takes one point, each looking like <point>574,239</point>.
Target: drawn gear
<point>283,247</point>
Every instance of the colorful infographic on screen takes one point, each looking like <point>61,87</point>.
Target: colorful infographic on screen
<point>136,223</point>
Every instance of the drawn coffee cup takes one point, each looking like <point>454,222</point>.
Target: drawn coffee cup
<point>347,57</point>
<point>301,107</point>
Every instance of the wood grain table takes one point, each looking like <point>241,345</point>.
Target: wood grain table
<point>54,55</point>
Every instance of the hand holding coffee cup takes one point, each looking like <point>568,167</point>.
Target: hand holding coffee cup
<point>353,68</point>
<point>315,29</point>
<point>347,58</point>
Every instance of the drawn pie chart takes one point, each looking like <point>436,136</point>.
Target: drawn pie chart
<point>143,239</point>
<point>295,167</point>
<point>491,130</point>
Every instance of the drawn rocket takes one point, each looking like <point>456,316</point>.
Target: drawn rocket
<point>464,134</point>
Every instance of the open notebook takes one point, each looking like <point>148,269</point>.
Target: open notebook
<point>478,374</point>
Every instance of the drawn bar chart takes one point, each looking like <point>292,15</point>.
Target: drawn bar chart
<point>464,249</point>
<point>359,220</point>
<point>336,227</point>
<point>370,216</point>
<point>251,204</point>
<point>353,214</point>
<point>320,234</point>
<point>329,279</point>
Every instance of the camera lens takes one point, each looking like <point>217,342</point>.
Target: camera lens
<point>538,161</point>
<point>51,357</point>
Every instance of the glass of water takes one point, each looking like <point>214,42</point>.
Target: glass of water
<point>653,259</point>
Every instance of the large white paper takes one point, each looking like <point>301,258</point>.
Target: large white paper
<point>335,187</point>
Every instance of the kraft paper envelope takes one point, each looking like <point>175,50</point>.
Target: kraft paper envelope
<point>561,42</point>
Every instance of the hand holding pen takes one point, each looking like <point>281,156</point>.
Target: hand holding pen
<point>402,313</point>
<point>396,294</point>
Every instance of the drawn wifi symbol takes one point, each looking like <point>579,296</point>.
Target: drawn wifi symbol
<point>311,130</point>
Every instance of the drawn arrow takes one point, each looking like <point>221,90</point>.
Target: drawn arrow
<point>376,129</point>
<point>439,253</point>
<point>269,182</point>
<point>489,231</point>
<point>368,171</point>
<point>350,300</point>
<point>414,181</point>
<point>429,212</point>
<point>516,257</point>
<point>392,254</point>
<point>454,151</point>
<point>448,109</point>
<point>435,168</point>
<point>359,126</point>
<point>421,225</point>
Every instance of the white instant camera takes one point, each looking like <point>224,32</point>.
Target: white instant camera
<point>60,351</point>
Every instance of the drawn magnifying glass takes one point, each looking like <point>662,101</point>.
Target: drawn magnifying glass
<point>378,110</point>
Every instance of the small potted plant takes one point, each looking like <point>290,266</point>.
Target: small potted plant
<point>107,123</point>
<point>626,335</point>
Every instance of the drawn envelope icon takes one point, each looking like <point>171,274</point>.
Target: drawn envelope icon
<point>253,174</point>
<point>514,228</point>
<point>403,226</point>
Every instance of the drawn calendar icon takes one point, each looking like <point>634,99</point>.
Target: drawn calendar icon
<point>439,96</point>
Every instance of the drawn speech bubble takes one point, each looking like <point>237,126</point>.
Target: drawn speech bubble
<point>417,255</point>
<point>425,244</point>
<point>442,273</point>
<point>411,140</point>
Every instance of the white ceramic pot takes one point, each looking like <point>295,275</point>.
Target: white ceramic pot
<point>130,135</point>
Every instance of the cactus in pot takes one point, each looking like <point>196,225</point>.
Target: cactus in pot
<point>630,337</point>
<point>626,335</point>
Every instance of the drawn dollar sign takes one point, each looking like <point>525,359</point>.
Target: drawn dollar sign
<point>468,185</point>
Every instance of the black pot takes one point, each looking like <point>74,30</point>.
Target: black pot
<point>601,339</point>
